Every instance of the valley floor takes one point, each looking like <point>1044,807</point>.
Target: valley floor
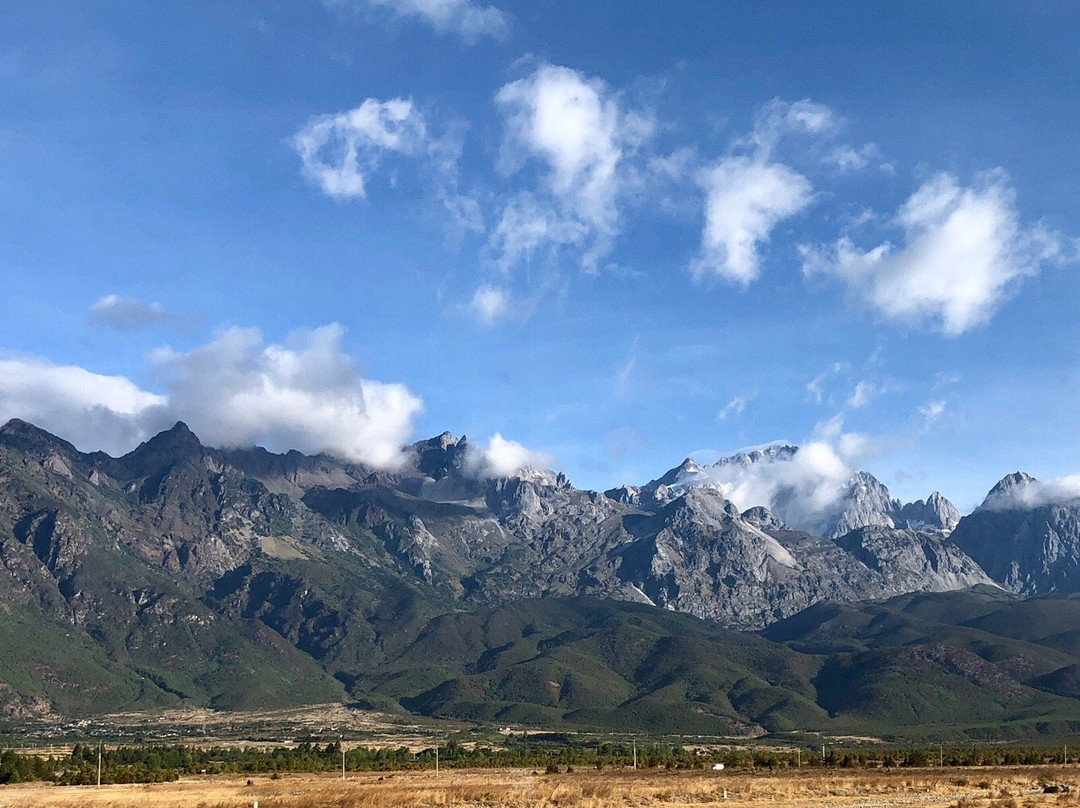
<point>960,788</point>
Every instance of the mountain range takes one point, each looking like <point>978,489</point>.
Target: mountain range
<point>240,578</point>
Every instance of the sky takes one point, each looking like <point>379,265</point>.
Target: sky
<point>600,237</point>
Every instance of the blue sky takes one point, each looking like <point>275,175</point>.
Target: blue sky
<point>603,236</point>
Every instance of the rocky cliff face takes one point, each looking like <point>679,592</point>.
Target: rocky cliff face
<point>700,555</point>
<point>1025,535</point>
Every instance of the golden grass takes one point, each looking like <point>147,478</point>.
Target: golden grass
<point>949,788</point>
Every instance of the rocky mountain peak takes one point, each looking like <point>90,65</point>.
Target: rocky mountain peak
<point>688,466</point>
<point>770,452</point>
<point>178,436</point>
<point>164,449</point>
<point>865,502</point>
<point>27,437</point>
<point>1010,483</point>
<point>440,456</point>
<point>934,513</point>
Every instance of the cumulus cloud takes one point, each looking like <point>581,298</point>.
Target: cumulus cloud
<point>575,129</point>
<point>340,151</point>
<point>127,314</point>
<point>749,192</point>
<point>505,458</point>
<point>304,394</point>
<point>93,411</point>
<point>471,21</point>
<point>745,199</point>
<point>238,390</point>
<point>964,252</point>
<point>1030,493</point>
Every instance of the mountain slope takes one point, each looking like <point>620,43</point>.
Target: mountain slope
<point>180,574</point>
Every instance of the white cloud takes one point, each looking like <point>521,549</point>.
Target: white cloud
<point>340,151</point>
<point>800,488</point>
<point>779,118</point>
<point>932,411</point>
<point>305,394</point>
<point>467,19</point>
<point>847,158</point>
<point>505,458</point>
<point>93,411</point>
<point>964,253</point>
<point>734,407</point>
<point>624,377</point>
<point>527,225</point>
<point>489,305</point>
<point>126,313</point>
<point>863,394</point>
<point>815,388</point>
<point>745,199</point>
<point>574,128</point>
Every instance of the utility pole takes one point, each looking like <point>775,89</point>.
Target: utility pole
<point>99,764</point>
<point>941,755</point>
<point>823,754</point>
<point>635,754</point>
<point>436,760</point>
<point>798,757</point>
<point>343,762</point>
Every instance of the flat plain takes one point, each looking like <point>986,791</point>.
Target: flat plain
<point>982,787</point>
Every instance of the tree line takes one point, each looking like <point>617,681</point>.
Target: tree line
<point>159,763</point>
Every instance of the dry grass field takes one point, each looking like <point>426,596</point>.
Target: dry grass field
<point>956,788</point>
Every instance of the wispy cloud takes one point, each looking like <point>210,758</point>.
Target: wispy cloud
<point>465,18</point>
<point>815,388</point>
<point>340,151</point>
<point>735,408</point>
<point>964,252</point>
<point>864,393</point>
<point>849,158</point>
<point>932,411</point>
<point>126,314</point>
<point>490,305</point>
